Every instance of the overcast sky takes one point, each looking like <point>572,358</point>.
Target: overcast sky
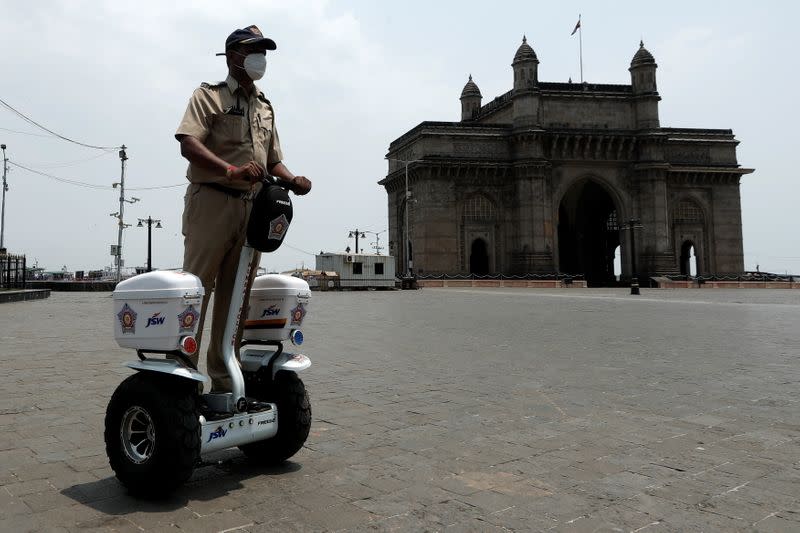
<point>349,77</point>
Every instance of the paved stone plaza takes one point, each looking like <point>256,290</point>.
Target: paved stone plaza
<point>447,410</point>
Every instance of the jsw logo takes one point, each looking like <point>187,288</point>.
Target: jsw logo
<point>217,434</point>
<point>270,311</point>
<point>155,320</point>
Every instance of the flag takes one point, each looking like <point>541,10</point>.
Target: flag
<point>577,26</point>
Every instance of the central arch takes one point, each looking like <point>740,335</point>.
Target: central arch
<point>588,233</point>
<point>479,258</point>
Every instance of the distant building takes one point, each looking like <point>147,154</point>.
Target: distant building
<point>359,271</point>
<point>317,279</point>
<point>546,177</point>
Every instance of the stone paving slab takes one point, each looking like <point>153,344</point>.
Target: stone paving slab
<point>446,410</point>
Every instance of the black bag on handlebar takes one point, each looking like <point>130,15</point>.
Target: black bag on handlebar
<point>269,218</point>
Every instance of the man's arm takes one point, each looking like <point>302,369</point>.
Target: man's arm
<point>299,185</point>
<point>198,154</point>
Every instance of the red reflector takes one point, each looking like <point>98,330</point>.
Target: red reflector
<point>188,345</point>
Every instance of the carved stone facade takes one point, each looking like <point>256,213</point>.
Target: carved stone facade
<point>547,178</point>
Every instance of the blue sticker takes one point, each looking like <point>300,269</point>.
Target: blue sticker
<point>155,320</point>
<point>217,434</point>
<point>272,310</point>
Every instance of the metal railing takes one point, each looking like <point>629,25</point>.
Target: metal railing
<point>545,276</point>
<point>744,276</point>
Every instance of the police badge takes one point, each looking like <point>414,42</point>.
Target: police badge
<point>278,227</point>
<point>127,319</point>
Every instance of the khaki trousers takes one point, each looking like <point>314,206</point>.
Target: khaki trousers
<point>214,230</point>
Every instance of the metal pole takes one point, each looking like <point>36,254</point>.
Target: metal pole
<point>407,237</point>
<point>149,243</point>
<point>580,44</point>
<point>356,240</point>
<point>5,188</point>
<point>634,279</point>
<point>123,157</point>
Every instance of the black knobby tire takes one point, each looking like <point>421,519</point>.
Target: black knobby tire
<point>294,417</point>
<point>152,433</point>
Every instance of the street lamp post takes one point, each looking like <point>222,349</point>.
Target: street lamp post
<point>633,224</point>
<point>123,156</point>
<point>356,233</point>
<point>5,188</point>
<point>407,236</point>
<point>149,221</point>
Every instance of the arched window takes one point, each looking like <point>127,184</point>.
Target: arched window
<point>478,208</point>
<point>688,211</point>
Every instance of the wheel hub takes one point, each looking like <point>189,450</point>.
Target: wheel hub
<point>137,434</point>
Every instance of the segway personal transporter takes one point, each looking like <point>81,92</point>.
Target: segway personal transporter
<point>157,424</point>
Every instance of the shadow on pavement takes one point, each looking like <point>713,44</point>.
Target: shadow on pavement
<point>216,477</point>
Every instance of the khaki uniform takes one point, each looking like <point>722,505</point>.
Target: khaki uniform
<point>238,128</point>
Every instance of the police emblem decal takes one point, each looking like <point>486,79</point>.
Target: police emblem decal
<point>187,319</point>
<point>278,227</point>
<point>127,319</point>
<point>298,314</point>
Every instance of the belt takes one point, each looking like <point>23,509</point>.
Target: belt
<point>242,195</point>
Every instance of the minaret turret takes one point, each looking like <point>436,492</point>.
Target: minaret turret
<point>645,91</point>
<point>526,80</point>
<point>526,67</point>
<point>470,100</point>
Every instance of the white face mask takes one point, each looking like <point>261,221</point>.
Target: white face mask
<point>255,65</point>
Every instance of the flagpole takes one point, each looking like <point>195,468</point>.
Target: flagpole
<point>580,41</point>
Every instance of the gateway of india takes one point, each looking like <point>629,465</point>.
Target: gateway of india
<point>549,178</point>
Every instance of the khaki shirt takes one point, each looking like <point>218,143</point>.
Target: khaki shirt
<point>236,126</point>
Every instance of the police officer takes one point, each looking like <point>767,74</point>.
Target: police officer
<point>228,135</point>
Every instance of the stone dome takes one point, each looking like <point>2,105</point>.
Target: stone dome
<point>471,89</point>
<point>642,56</point>
<point>524,52</point>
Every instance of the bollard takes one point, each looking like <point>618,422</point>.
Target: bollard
<point>634,286</point>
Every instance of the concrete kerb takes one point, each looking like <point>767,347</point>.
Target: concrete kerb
<point>23,295</point>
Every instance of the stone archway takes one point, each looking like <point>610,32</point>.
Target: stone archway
<point>688,251</point>
<point>689,234</point>
<point>588,233</point>
<point>479,257</point>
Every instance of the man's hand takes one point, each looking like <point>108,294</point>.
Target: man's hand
<point>300,185</point>
<point>250,172</point>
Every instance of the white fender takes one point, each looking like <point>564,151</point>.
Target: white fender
<point>253,358</point>
<point>294,362</point>
<point>167,366</point>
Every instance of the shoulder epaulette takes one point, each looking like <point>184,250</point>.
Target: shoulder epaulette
<point>263,98</point>
<point>206,85</point>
